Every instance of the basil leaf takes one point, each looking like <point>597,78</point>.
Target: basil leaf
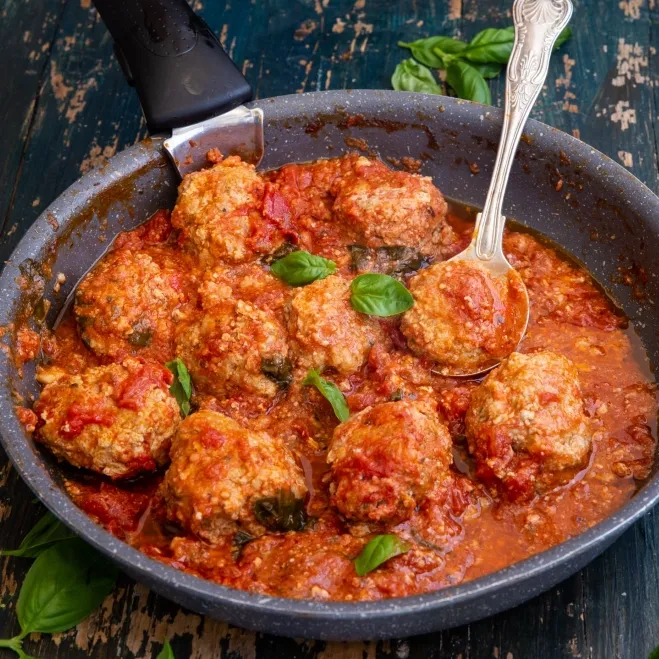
<point>495,46</point>
<point>410,76</point>
<point>379,550</point>
<point>64,585</point>
<point>331,392</point>
<point>279,369</point>
<point>433,50</point>
<point>166,652</point>
<point>44,534</point>
<point>488,71</point>
<point>281,513</point>
<point>654,654</point>
<point>468,83</point>
<point>379,295</point>
<point>490,45</point>
<point>565,35</point>
<point>300,268</point>
<point>181,388</point>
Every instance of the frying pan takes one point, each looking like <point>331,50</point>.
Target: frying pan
<point>602,214</point>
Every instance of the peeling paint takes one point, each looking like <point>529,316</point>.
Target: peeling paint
<point>626,158</point>
<point>77,103</point>
<point>356,650</point>
<point>565,81</point>
<point>98,155</point>
<point>631,60</point>
<point>60,89</point>
<point>623,115</point>
<point>339,26</point>
<point>454,9</point>
<point>631,8</point>
<point>305,29</point>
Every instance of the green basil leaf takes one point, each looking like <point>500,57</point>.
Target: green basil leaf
<point>565,35</point>
<point>410,76</point>
<point>44,534</point>
<point>379,550</point>
<point>494,46</point>
<point>654,654</point>
<point>281,513</point>
<point>468,83</point>
<point>300,268</point>
<point>330,391</point>
<point>488,71</point>
<point>65,584</point>
<point>181,388</point>
<point>166,652</point>
<point>433,50</point>
<point>490,45</point>
<point>379,295</point>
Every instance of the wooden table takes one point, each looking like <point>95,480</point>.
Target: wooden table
<point>65,108</point>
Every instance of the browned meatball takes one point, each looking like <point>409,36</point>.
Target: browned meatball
<point>117,420</point>
<point>385,459</point>
<point>234,347</point>
<point>220,471</point>
<point>386,207</point>
<point>218,209</point>
<point>463,317</point>
<point>250,282</point>
<point>526,421</point>
<point>130,302</point>
<point>328,332</point>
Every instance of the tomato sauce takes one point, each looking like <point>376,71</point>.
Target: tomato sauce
<point>462,530</point>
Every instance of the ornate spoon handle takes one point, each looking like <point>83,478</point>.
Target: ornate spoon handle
<point>537,26</point>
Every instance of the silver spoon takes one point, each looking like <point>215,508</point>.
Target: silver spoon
<point>537,26</point>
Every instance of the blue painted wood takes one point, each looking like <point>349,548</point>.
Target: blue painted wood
<point>65,108</point>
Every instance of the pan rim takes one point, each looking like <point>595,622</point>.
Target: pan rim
<point>133,561</point>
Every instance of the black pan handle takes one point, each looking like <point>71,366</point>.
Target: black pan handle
<point>178,67</point>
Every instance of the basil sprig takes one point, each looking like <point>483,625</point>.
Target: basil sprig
<point>65,584</point>
<point>410,76</point>
<point>380,549</point>
<point>379,295</point>
<point>181,388</point>
<point>44,534</point>
<point>467,65</point>
<point>301,268</point>
<point>330,391</point>
<point>431,51</point>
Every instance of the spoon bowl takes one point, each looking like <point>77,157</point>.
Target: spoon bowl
<point>538,24</point>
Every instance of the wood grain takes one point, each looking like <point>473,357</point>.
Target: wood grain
<point>65,108</point>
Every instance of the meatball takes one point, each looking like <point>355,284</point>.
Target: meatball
<point>385,459</point>
<point>218,209</point>
<point>250,282</point>
<point>385,207</point>
<point>327,330</point>
<point>234,347</point>
<point>526,424</point>
<point>117,420</point>
<point>130,302</point>
<point>463,317</point>
<point>219,472</point>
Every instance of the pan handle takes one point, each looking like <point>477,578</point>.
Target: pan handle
<point>178,67</point>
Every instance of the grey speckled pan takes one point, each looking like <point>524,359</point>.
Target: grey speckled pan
<point>602,215</point>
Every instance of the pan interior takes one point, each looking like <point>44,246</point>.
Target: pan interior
<point>559,187</point>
